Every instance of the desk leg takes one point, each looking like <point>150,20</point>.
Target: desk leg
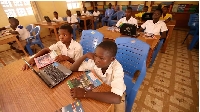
<point>85,25</point>
<point>167,39</point>
<point>149,57</point>
<point>92,21</point>
<point>2,62</point>
<point>20,45</point>
<point>50,32</point>
<point>56,34</point>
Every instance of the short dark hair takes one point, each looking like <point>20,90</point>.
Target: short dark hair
<point>160,10</point>
<point>10,17</point>
<point>146,7</point>
<point>109,46</point>
<point>16,20</point>
<point>55,12</point>
<point>129,8</point>
<point>67,27</point>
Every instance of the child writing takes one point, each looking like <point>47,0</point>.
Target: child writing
<point>107,68</point>
<point>70,50</point>
<point>155,26</point>
<point>22,32</point>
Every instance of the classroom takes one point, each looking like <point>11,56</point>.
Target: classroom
<point>99,56</point>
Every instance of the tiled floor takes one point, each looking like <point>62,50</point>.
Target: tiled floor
<point>171,85</point>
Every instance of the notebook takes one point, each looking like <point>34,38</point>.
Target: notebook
<point>88,80</point>
<point>73,107</point>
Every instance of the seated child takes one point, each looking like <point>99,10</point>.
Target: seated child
<point>22,32</point>
<point>96,14</point>
<point>108,13</point>
<point>139,15</point>
<point>8,26</point>
<point>72,20</point>
<point>107,68</point>
<point>70,50</point>
<point>155,26</point>
<point>85,12</point>
<point>165,15</point>
<point>128,19</point>
<point>56,18</point>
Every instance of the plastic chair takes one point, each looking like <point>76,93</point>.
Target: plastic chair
<point>119,15</point>
<point>195,38</point>
<point>156,50</point>
<point>193,22</point>
<point>90,39</point>
<point>132,54</point>
<point>30,29</point>
<point>32,40</point>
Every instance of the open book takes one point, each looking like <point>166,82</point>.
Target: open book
<point>45,60</point>
<point>73,107</point>
<point>88,80</point>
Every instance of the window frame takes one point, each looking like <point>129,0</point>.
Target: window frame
<point>71,3</point>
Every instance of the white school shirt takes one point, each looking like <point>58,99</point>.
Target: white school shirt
<point>23,32</point>
<point>114,75</point>
<point>156,28</point>
<point>74,51</point>
<point>72,19</point>
<point>96,13</point>
<point>59,19</point>
<point>130,21</point>
<point>86,13</point>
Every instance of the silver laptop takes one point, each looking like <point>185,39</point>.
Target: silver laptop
<point>52,74</point>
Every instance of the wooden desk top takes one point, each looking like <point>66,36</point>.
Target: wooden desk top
<point>24,91</point>
<point>113,35</point>
<point>7,37</point>
<point>50,24</point>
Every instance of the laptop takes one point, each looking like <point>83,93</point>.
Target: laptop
<point>52,74</point>
<point>47,19</point>
<point>128,29</point>
<point>78,13</point>
<point>147,16</point>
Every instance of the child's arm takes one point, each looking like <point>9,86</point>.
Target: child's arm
<point>13,32</point>
<point>107,97</point>
<point>60,58</point>
<point>3,28</point>
<point>32,62</point>
<point>77,63</point>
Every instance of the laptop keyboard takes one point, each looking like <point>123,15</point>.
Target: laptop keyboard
<point>55,74</point>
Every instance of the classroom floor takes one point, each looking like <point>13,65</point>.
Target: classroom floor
<point>170,85</point>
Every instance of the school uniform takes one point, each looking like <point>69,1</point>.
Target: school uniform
<point>108,13</point>
<point>23,35</point>
<point>96,19</point>
<point>114,75</point>
<point>156,28</point>
<point>130,21</point>
<point>73,19</point>
<point>58,20</point>
<point>74,51</point>
<point>166,17</point>
<point>139,14</point>
<point>85,13</point>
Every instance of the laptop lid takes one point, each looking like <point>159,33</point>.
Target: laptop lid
<point>47,18</point>
<point>147,16</point>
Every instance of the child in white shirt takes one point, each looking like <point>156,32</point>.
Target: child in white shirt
<point>107,68</point>
<point>155,26</point>
<point>69,49</point>
<point>56,18</point>
<point>22,32</point>
<point>96,17</point>
<point>85,12</point>
<point>128,19</point>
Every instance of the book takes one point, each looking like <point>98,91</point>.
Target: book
<point>45,60</point>
<point>88,80</point>
<point>73,107</point>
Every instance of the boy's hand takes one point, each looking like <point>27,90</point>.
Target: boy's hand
<point>26,67</point>
<point>90,55</point>
<point>60,58</point>
<point>77,92</point>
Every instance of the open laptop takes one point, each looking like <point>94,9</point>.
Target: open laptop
<point>78,13</point>
<point>128,29</point>
<point>47,19</point>
<point>147,16</point>
<point>52,74</point>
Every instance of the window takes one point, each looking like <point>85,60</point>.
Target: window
<point>73,4</point>
<point>17,8</point>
